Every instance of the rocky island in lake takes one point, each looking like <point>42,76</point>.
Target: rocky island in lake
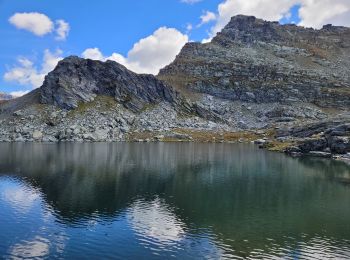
<point>284,87</point>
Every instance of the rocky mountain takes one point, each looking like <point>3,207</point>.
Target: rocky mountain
<point>4,96</point>
<point>254,80</point>
<point>256,61</point>
<point>76,80</point>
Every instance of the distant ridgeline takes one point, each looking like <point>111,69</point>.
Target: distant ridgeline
<point>4,96</point>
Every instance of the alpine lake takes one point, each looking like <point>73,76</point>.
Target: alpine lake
<point>170,200</point>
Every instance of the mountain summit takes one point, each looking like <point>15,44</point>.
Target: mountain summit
<point>258,61</point>
<point>77,80</point>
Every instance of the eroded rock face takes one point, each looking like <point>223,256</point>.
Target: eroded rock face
<point>76,80</point>
<point>257,61</point>
<point>327,137</point>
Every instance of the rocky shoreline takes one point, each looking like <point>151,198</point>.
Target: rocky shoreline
<point>104,120</point>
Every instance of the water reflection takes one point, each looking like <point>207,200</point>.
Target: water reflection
<point>20,197</point>
<point>153,220</point>
<point>163,200</point>
<point>38,247</point>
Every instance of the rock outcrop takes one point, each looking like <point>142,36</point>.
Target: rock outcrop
<point>329,138</point>
<point>76,80</point>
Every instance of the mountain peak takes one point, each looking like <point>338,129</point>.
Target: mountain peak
<point>76,80</point>
<point>249,30</point>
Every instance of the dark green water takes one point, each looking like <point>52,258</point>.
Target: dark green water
<point>159,201</point>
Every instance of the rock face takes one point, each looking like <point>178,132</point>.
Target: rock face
<point>76,80</point>
<point>257,61</point>
<point>327,137</point>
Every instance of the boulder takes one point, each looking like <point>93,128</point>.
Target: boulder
<point>339,144</point>
<point>37,135</point>
<point>313,144</point>
<point>260,141</point>
<point>100,135</point>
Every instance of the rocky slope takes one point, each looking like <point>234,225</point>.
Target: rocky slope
<point>255,79</point>
<point>284,73</point>
<point>264,62</point>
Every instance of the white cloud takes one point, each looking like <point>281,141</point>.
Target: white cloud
<point>313,13</point>
<point>149,54</point>
<point>37,23</point>
<point>19,93</point>
<point>267,9</point>
<point>62,30</point>
<point>93,54</point>
<point>40,24</point>
<point>190,1</point>
<point>25,73</point>
<point>156,221</point>
<point>22,200</point>
<point>318,13</point>
<point>189,27</point>
<point>207,17</point>
<point>39,247</point>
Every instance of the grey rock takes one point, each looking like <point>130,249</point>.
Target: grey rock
<point>320,154</point>
<point>313,144</point>
<point>339,144</point>
<point>18,113</point>
<point>260,141</point>
<point>100,135</point>
<point>37,135</point>
<point>77,80</point>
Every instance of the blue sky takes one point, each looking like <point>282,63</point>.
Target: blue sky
<point>114,26</point>
<point>110,25</point>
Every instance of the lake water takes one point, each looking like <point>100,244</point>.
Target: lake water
<point>160,201</point>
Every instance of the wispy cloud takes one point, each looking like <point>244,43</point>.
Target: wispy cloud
<point>62,30</point>
<point>148,55</point>
<point>190,1</point>
<point>25,73</point>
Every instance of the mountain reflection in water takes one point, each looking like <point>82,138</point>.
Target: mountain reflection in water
<point>170,200</point>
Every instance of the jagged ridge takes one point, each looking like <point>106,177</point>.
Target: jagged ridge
<point>258,61</point>
<point>76,80</point>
